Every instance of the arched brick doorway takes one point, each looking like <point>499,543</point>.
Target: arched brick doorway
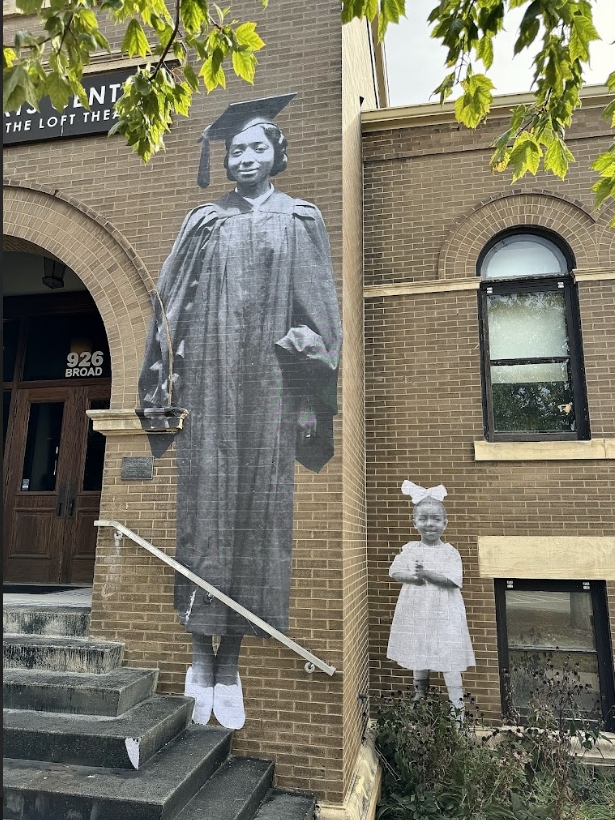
<point>63,344</point>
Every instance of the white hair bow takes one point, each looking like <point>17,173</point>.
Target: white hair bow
<point>418,493</point>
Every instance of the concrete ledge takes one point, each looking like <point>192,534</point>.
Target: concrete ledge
<point>128,423</point>
<point>416,288</point>
<point>364,791</point>
<point>593,275</point>
<point>560,557</point>
<point>596,449</point>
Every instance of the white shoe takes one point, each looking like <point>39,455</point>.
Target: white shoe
<point>203,699</point>
<point>228,705</point>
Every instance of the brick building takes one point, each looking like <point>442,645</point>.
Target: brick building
<point>467,385</point>
<point>408,262</point>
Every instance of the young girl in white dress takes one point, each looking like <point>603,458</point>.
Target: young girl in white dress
<point>430,629</point>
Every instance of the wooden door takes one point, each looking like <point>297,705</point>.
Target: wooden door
<point>52,484</point>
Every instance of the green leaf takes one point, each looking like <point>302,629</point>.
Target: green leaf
<point>135,42</point>
<point>191,77</point>
<point>582,32</point>
<point>557,158</point>
<point>8,57</point>
<point>58,90</point>
<point>604,163</point>
<point>525,156</point>
<point>244,65</point>
<point>474,104</point>
<point>17,89</point>
<point>604,189</point>
<point>193,15</point>
<point>87,19</point>
<point>247,36</point>
<point>212,74</point>
<point>29,6</point>
<point>484,51</point>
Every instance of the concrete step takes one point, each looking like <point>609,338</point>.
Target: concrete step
<point>233,793</point>
<point>279,805</point>
<point>34,790</point>
<point>110,694</point>
<point>37,619</point>
<point>123,742</point>
<point>61,654</point>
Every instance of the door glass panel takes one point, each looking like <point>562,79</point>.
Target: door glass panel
<point>66,347</point>
<point>6,405</point>
<point>532,398</point>
<point>95,452</point>
<point>552,634</point>
<point>42,447</point>
<point>10,333</point>
<point>527,325</point>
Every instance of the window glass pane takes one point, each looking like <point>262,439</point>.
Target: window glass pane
<point>549,633</point>
<point>6,404</point>
<point>523,255</point>
<point>66,346</point>
<point>10,333</point>
<point>527,668</point>
<point>95,452</point>
<point>532,398</point>
<point>550,620</point>
<point>42,447</point>
<point>527,325</point>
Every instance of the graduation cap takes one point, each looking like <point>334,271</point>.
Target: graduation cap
<point>237,118</point>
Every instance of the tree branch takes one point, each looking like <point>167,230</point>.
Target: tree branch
<point>170,43</point>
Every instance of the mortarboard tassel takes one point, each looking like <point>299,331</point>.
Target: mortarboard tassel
<point>203,176</point>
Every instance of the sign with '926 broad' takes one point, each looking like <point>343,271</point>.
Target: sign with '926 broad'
<point>26,124</point>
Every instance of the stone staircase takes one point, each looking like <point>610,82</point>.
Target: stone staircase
<point>87,739</point>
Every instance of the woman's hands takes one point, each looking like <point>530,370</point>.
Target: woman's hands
<point>306,422</point>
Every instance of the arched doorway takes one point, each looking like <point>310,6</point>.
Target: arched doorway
<point>56,366</point>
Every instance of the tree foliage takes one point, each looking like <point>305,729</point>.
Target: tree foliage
<point>188,44</point>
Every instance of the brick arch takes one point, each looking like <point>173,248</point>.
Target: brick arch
<point>116,278</point>
<point>605,239</point>
<point>471,233</point>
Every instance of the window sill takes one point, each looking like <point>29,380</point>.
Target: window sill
<point>596,449</point>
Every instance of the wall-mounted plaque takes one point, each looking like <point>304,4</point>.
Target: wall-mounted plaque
<point>137,468</point>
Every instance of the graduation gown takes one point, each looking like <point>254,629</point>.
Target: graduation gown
<point>251,339</point>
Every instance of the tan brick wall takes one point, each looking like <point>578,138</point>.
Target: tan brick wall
<point>431,204</point>
<point>309,724</point>
<point>356,72</point>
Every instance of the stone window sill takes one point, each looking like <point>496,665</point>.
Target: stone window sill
<point>596,449</point>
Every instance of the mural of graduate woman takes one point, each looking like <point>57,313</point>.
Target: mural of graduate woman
<point>246,336</point>
<point>429,629</point>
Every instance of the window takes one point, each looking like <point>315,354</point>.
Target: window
<point>559,623</point>
<point>533,380</point>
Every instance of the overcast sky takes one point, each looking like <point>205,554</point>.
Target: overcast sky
<point>415,62</point>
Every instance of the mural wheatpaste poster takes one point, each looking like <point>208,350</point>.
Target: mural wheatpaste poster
<point>246,336</point>
<point>429,629</point>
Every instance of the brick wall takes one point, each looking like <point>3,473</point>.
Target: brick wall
<point>310,724</point>
<point>431,204</point>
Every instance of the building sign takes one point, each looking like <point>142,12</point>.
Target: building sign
<point>26,124</point>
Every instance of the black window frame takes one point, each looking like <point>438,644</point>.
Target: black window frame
<point>527,284</point>
<point>600,618</point>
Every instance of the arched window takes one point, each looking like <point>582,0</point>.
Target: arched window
<point>533,379</point>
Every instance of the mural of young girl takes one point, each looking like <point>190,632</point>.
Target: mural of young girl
<point>246,336</point>
<point>429,629</point>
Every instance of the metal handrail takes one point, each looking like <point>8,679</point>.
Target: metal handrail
<point>313,662</point>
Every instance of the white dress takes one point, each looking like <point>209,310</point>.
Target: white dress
<point>429,629</point>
